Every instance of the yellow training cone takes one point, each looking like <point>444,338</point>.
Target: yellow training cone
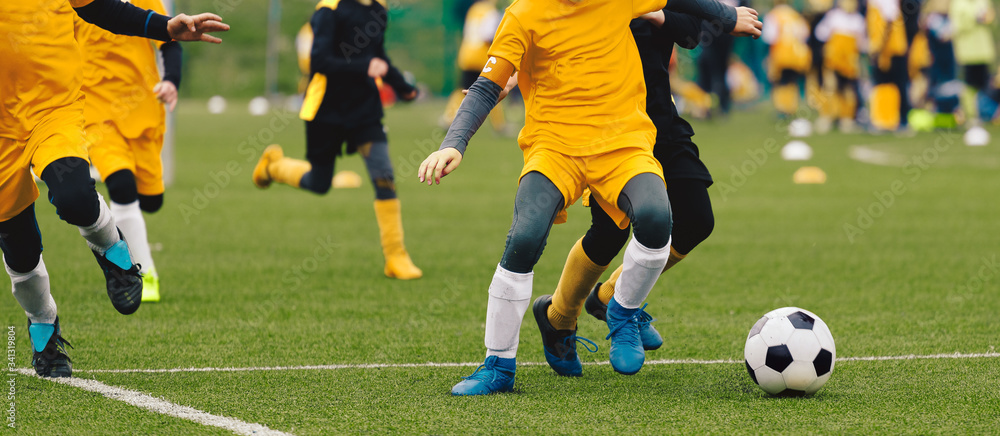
<point>809,175</point>
<point>346,179</point>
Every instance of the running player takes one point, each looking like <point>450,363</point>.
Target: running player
<point>125,123</point>
<point>342,104</point>
<point>586,125</point>
<point>41,129</point>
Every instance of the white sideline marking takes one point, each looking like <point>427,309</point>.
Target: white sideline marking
<point>475,364</point>
<point>163,407</point>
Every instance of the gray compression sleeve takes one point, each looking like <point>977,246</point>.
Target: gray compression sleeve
<point>708,10</point>
<point>483,96</point>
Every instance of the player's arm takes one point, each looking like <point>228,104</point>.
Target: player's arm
<point>683,29</point>
<point>125,19</point>
<point>738,21</point>
<point>394,78</point>
<point>166,90</point>
<point>482,97</point>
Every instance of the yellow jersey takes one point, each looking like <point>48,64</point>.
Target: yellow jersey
<point>480,26</point>
<point>786,31</point>
<point>119,73</point>
<point>579,71</point>
<point>39,62</point>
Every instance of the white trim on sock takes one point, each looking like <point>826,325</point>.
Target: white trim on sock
<point>133,226</point>
<point>103,233</point>
<point>31,289</point>
<point>510,293</point>
<point>641,267</point>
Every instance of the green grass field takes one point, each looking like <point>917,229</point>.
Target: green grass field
<point>281,278</point>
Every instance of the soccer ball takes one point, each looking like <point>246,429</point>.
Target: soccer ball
<point>790,352</point>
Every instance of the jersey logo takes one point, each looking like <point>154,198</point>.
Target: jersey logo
<point>491,61</point>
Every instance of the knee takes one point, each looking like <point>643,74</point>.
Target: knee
<point>121,187</point>
<point>318,186</point>
<point>652,225</point>
<point>71,191</point>
<point>150,203</point>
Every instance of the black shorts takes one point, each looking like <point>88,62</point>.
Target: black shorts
<point>469,77</point>
<point>679,159</point>
<point>324,142</point>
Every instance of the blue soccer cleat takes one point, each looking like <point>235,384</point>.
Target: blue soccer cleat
<point>651,338</point>
<point>494,376</point>
<point>559,345</point>
<point>627,355</point>
<point>49,358</point>
<point>124,282</point>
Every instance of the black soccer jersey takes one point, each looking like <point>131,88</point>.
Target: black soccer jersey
<point>347,34</point>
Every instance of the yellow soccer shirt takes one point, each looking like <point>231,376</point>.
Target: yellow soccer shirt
<point>480,27</point>
<point>579,71</point>
<point>119,73</point>
<point>39,63</point>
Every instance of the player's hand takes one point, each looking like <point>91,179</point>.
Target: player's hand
<point>439,164</point>
<point>166,93</point>
<point>411,96</point>
<point>378,67</point>
<point>656,17</point>
<point>195,28</point>
<point>747,23</point>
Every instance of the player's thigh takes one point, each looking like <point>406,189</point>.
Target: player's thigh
<point>16,183</point>
<point>324,142</point>
<point>58,135</point>
<point>148,162</point>
<point>110,151</point>
<point>564,172</point>
<point>360,138</point>
<point>607,175</point>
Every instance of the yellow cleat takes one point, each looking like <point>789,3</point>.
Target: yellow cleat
<point>401,267</point>
<point>150,287</point>
<point>261,175</point>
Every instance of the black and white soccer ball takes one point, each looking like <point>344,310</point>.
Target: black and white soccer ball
<point>790,352</point>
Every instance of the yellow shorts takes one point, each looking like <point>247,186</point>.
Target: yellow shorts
<point>110,152</point>
<point>605,174</point>
<point>58,135</point>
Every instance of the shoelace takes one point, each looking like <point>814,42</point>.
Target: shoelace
<point>51,352</point>
<point>475,375</point>
<point>643,318</point>
<point>634,318</point>
<point>568,341</point>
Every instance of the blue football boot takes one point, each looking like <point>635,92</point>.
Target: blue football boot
<point>627,355</point>
<point>493,376</point>
<point>559,345</point>
<point>49,358</point>
<point>124,282</point>
<point>651,338</point>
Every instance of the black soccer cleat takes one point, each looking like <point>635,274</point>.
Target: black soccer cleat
<point>594,306</point>
<point>49,360</point>
<point>559,345</point>
<point>123,279</point>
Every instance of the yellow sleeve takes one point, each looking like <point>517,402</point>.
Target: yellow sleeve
<point>79,3</point>
<point>640,7</point>
<point>510,44</point>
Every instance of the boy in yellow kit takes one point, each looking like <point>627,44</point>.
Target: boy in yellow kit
<point>41,128</point>
<point>579,71</point>
<point>125,123</point>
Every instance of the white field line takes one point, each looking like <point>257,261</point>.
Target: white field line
<point>475,364</point>
<point>163,407</point>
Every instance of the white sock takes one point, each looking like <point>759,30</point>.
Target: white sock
<point>509,296</point>
<point>133,227</point>
<point>640,269</point>
<point>31,289</point>
<point>102,234</point>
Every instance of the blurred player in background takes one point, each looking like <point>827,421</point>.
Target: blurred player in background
<point>842,32</point>
<point>586,126</point>
<point>972,22</point>
<point>41,129</point>
<point>789,59</point>
<point>716,48</point>
<point>342,104</point>
<point>888,48</point>
<point>481,23</point>
<point>944,86</point>
<point>125,123</point>
<point>687,181</point>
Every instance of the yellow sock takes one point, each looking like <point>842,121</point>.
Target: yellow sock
<point>288,171</point>
<point>398,264</point>
<point>497,118</point>
<point>885,106</point>
<point>578,277</point>
<point>451,109</point>
<point>608,287</point>
<point>786,98</point>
